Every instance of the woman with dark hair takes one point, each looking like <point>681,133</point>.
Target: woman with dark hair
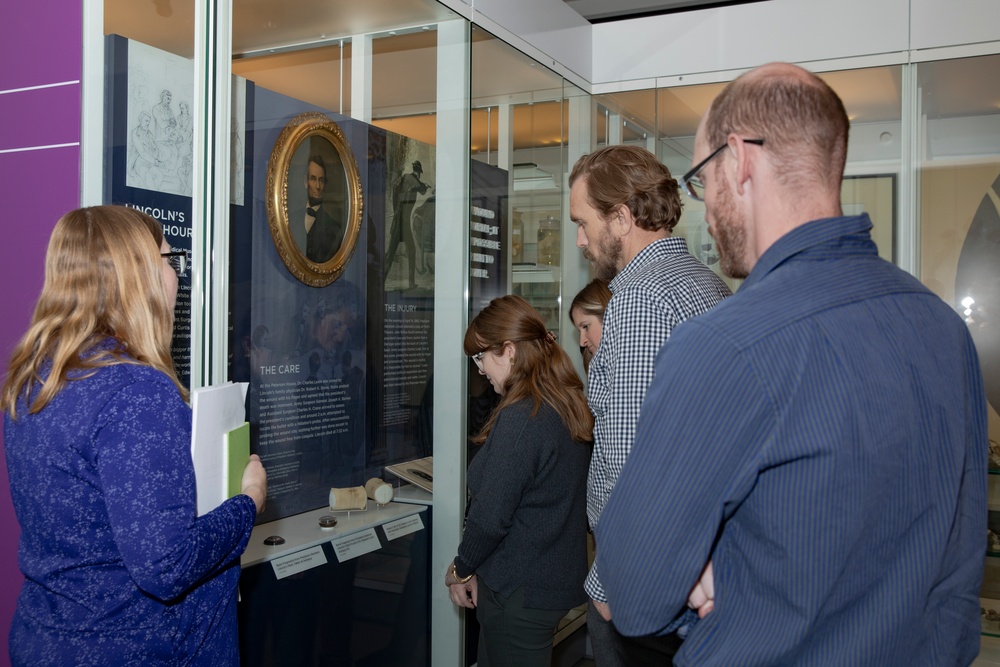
<point>587,315</point>
<point>523,556</point>
<point>118,568</point>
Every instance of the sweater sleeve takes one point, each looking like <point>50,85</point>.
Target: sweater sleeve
<point>145,467</point>
<point>509,462</point>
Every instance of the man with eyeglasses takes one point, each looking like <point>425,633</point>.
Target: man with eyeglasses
<point>810,462</point>
<point>626,204</point>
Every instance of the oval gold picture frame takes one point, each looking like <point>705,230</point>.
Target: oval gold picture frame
<point>316,255</point>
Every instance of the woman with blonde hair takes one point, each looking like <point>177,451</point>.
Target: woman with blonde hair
<point>118,568</point>
<point>587,315</point>
<point>523,556</point>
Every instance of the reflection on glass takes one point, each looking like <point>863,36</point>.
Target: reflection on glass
<point>520,125</point>
<point>960,238</point>
<point>960,202</point>
<point>340,375</point>
<point>666,120</point>
<point>150,131</point>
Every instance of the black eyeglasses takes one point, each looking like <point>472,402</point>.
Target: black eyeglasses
<point>177,260</point>
<point>690,182</point>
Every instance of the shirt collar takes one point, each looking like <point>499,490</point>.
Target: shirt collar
<point>655,251</point>
<point>813,235</point>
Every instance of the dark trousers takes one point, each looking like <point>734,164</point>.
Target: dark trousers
<point>604,639</point>
<point>511,635</point>
<point>613,649</point>
<point>649,650</point>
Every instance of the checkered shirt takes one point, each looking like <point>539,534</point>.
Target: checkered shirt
<point>660,288</point>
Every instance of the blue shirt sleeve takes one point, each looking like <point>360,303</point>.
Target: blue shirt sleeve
<point>145,467</point>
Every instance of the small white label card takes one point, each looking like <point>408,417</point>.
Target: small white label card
<point>404,526</point>
<point>358,544</point>
<point>299,561</point>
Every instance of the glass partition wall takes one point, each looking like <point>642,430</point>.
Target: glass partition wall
<point>958,170</point>
<point>323,169</point>
<point>519,126</point>
<point>532,124</point>
<point>665,122</point>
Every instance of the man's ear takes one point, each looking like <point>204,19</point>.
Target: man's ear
<point>621,220</point>
<point>742,168</point>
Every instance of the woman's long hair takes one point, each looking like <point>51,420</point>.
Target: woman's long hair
<point>591,300</point>
<point>540,369</point>
<point>103,279</point>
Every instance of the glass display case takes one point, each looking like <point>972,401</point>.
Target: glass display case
<point>989,597</point>
<point>959,247</point>
<point>520,123</point>
<point>387,66</point>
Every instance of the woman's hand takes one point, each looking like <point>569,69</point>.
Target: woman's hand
<point>254,482</point>
<point>463,593</point>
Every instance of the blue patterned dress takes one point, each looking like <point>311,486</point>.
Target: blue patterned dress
<point>118,569</point>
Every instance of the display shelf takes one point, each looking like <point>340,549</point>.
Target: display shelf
<point>989,652</point>
<point>534,273</point>
<point>989,600</point>
<point>303,530</point>
<point>990,616</point>
<point>414,495</point>
<point>993,493</point>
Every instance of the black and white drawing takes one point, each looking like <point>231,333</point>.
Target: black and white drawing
<point>161,131</point>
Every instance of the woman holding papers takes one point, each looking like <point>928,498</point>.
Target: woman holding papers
<point>118,569</point>
<point>523,555</point>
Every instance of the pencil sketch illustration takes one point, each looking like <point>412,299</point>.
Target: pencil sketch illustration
<point>161,132</point>
<point>237,145</point>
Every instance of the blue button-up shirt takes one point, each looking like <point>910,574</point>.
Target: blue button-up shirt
<point>821,437</point>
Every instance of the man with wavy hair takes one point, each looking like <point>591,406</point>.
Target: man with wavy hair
<point>626,204</point>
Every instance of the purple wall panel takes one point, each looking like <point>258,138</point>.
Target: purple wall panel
<point>38,187</point>
<point>40,44</point>
<point>54,114</point>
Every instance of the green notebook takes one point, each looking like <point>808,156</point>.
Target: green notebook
<point>237,457</point>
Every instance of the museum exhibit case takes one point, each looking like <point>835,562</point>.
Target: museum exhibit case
<point>958,149</point>
<point>532,124</point>
<point>445,147</point>
<point>321,166</point>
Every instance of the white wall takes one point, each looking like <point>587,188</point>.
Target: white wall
<point>943,23</point>
<point>714,44</point>
<point>744,36</point>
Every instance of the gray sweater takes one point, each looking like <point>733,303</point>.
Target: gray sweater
<point>527,520</point>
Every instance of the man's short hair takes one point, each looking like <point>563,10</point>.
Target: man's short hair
<point>632,176</point>
<point>801,119</point>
